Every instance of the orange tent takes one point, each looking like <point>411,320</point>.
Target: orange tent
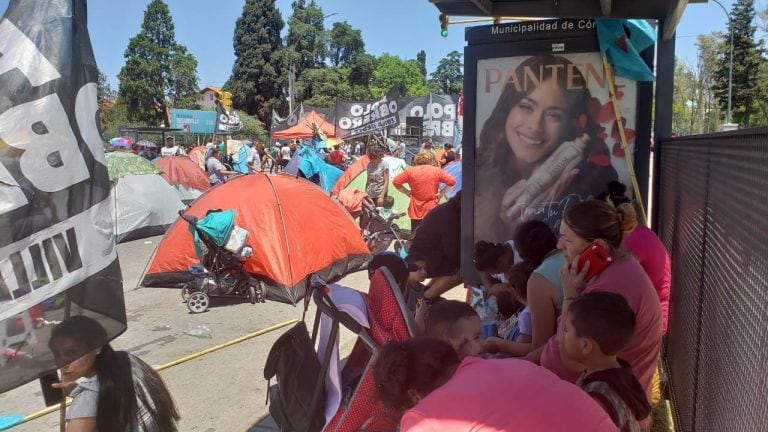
<point>181,171</point>
<point>295,230</point>
<point>303,129</point>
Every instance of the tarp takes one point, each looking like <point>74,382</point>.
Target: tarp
<point>355,177</point>
<point>454,169</point>
<point>184,175</point>
<point>144,206</point>
<point>303,128</point>
<point>57,246</point>
<point>295,229</point>
<point>197,155</point>
<point>120,164</point>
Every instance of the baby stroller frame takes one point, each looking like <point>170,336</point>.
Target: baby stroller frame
<point>220,273</point>
<point>380,233</point>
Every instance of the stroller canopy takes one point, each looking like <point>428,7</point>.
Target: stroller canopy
<point>295,230</point>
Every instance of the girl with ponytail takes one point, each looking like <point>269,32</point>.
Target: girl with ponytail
<point>111,390</point>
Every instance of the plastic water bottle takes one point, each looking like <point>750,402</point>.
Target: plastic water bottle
<point>489,327</point>
<point>200,331</point>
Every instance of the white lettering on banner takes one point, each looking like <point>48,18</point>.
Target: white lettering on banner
<point>11,195</point>
<point>51,160</point>
<point>18,52</point>
<point>68,253</point>
<point>361,115</point>
<point>85,114</point>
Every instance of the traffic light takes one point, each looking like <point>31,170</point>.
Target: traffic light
<point>225,98</point>
<point>444,21</point>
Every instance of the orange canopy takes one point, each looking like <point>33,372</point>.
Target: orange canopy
<point>303,129</point>
<point>295,230</point>
<point>349,174</point>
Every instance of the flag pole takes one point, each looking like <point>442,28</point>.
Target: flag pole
<point>619,122</point>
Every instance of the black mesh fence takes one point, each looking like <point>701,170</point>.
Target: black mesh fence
<point>713,218</point>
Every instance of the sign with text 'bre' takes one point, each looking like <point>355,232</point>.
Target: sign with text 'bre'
<point>56,231</point>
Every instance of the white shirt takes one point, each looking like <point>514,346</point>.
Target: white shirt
<point>285,153</point>
<point>254,159</point>
<point>170,151</point>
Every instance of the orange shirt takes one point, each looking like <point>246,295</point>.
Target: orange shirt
<point>423,181</point>
<point>439,156</point>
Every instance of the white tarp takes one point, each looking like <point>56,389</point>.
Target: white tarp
<point>145,205</point>
<point>187,195</point>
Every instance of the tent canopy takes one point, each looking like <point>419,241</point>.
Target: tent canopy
<point>303,129</point>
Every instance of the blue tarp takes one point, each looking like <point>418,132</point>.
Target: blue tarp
<point>622,41</point>
<point>309,162</point>
<point>217,226</point>
<point>454,169</point>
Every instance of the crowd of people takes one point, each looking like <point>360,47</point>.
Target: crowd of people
<point>562,327</point>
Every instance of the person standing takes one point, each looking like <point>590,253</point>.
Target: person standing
<point>424,182</point>
<point>170,149</point>
<point>377,183</point>
<point>336,157</point>
<point>254,159</point>
<point>285,155</point>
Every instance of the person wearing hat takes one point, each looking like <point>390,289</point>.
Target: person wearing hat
<point>170,149</point>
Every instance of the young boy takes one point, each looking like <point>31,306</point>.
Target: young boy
<point>386,211</point>
<point>457,323</point>
<point>598,325</point>
<point>516,342</point>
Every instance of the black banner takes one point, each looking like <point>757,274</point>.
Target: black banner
<point>438,112</point>
<point>57,245</point>
<point>362,118</point>
<point>227,121</point>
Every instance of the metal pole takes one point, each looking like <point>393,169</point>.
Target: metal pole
<point>730,60</point>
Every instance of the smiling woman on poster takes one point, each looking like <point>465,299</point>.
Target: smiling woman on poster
<point>539,150</point>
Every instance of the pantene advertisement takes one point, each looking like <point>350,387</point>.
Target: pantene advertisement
<point>547,137</point>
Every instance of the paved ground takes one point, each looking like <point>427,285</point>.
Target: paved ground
<point>221,391</point>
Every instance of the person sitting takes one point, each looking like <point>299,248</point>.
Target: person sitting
<point>401,270</point>
<point>599,222</point>
<point>217,172</point>
<point>437,242</point>
<point>492,262</point>
<point>438,391</point>
<point>518,341</point>
<point>417,274</point>
<point>386,211</point>
<point>456,323</point>
<point>646,246</point>
<point>598,325</point>
<point>111,390</point>
<point>448,155</point>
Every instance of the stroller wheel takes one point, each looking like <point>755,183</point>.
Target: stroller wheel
<point>187,290</point>
<point>252,294</point>
<point>198,302</point>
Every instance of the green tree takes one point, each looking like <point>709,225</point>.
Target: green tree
<point>747,57</point>
<point>112,117</point>
<point>158,73</point>
<point>307,40</point>
<point>361,70</point>
<point>258,78</point>
<point>321,86</point>
<point>392,71</point>
<point>345,44</point>
<point>252,127</point>
<point>448,77</point>
<point>421,57</point>
<point>105,90</point>
<point>694,106</point>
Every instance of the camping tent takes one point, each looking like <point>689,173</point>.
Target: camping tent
<point>355,177</point>
<point>144,206</point>
<point>303,129</point>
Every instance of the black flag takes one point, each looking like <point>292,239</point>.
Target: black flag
<point>57,245</point>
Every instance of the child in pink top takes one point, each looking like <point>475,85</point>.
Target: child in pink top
<point>424,377</point>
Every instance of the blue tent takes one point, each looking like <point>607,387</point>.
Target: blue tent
<point>310,163</point>
<point>454,169</point>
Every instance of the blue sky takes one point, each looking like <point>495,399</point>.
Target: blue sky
<point>399,27</point>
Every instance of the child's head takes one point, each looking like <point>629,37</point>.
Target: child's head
<point>417,271</point>
<point>389,201</point>
<point>458,324</point>
<point>407,371</point>
<point>597,325</point>
<point>517,278</point>
<point>492,257</point>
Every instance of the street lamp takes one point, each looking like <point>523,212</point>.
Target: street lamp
<point>730,60</point>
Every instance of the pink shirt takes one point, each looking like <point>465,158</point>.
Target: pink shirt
<point>505,395</point>
<point>625,277</point>
<point>654,258</point>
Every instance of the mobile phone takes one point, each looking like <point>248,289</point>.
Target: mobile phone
<point>597,257</point>
<point>52,396</point>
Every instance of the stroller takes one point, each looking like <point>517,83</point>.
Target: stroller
<point>379,233</point>
<point>222,247</point>
<point>342,398</point>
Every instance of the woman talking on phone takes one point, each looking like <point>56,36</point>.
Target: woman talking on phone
<point>539,146</point>
<point>599,224</point>
<point>111,390</point>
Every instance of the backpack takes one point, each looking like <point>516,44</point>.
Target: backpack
<point>298,397</point>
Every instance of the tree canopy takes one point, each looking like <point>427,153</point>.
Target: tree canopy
<point>307,40</point>
<point>405,75</point>
<point>158,73</point>
<point>345,44</point>
<point>448,77</point>
<point>258,76</point>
